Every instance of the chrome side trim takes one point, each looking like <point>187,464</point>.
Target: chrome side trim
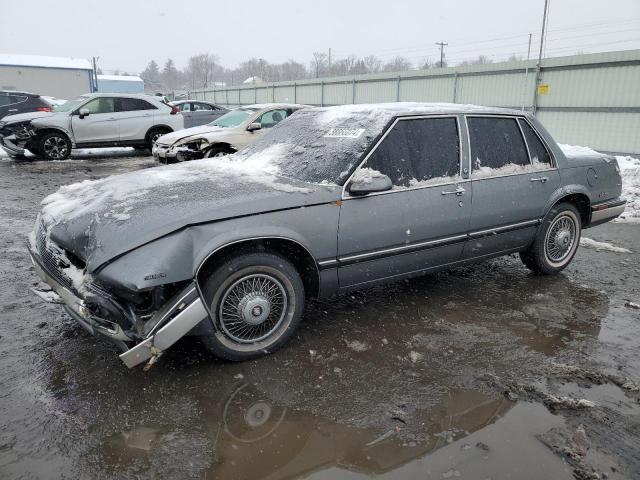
<point>404,248</point>
<point>167,335</point>
<point>504,228</point>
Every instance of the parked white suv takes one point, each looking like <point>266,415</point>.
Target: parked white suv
<point>96,120</point>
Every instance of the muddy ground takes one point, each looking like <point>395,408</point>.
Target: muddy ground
<point>479,372</point>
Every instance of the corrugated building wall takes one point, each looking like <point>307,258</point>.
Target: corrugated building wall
<point>591,99</point>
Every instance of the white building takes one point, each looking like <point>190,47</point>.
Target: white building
<point>120,84</point>
<point>50,76</point>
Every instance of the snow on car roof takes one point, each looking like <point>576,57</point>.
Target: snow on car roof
<point>407,108</point>
<point>42,61</point>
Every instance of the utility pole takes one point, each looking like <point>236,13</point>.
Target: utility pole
<point>442,45</point>
<point>526,73</point>
<point>329,58</point>
<point>95,73</point>
<point>539,65</point>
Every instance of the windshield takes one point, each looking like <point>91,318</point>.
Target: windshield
<point>234,117</point>
<point>319,145</point>
<point>69,105</point>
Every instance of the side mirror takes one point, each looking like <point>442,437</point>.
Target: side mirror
<point>84,112</point>
<point>372,183</point>
<point>254,126</point>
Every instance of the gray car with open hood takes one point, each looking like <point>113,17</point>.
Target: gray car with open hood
<point>333,199</point>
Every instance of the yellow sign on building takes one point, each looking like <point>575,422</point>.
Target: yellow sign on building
<point>543,89</point>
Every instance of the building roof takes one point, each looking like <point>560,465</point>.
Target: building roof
<point>121,78</point>
<point>45,62</point>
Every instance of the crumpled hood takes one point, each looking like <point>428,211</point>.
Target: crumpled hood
<point>102,219</point>
<point>206,131</point>
<point>21,117</point>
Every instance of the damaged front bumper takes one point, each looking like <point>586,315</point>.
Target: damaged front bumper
<point>170,323</point>
<point>177,153</point>
<point>11,145</point>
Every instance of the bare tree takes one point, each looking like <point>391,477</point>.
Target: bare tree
<point>397,64</point>
<point>201,69</point>
<point>319,64</point>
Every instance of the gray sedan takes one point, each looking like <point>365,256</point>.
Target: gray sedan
<point>330,200</point>
<point>199,112</point>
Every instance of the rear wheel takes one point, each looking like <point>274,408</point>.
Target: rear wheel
<point>556,242</point>
<point>54,146</point>
<point>256,302</point>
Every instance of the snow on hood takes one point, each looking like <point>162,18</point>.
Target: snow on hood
<point>21,117</point>
<point>202,131</point>
<point>99,219</point>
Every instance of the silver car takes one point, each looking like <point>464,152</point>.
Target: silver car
<point>331,200</point>
<point>95,120</point>
<point>198,112</point>
<point>228,134</point>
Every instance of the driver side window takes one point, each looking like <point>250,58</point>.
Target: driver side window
<point>419,152</point>
<point>272,118</point>
<point>100,105</point>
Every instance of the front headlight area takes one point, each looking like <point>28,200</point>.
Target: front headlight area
<point>190,149</point>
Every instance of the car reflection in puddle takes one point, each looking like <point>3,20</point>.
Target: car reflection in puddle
<point>255,438</point>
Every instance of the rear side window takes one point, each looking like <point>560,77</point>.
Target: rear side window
<point>132,104</point>
<point>540,157</point>
<point>496,144</point>
<point>11,99</point>
<point>419,152</point>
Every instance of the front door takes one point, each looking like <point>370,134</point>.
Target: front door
<point>513,177</point>
<point>97,127</point>
<point>423,221</point>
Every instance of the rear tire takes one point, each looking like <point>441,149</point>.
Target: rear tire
<point>556,242</point>
<point>256,302</point>
<point>54,146</point>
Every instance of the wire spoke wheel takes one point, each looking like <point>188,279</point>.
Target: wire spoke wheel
<point>253,308</point>
<point>560,238</point>
<point>55,147</point>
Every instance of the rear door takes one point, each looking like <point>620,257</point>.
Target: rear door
<point>511,185</point>
<point>420,224</point>
<point>99,126</point>
<point>134,117</point>
<point>202,114</point>
<point>187,114</point>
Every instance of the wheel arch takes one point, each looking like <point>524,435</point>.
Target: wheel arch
<point>578,196</point>
<point>156,127</point>
<point>222,144</point>
<point>292,250</point>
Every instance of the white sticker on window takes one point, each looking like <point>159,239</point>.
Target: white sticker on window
<point>344,133</point>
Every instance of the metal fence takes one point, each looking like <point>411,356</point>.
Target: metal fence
<point>591,99</point>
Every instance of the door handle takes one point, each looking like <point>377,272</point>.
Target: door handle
<point>458,192</point>
<point>13,110</point>
<point>540,179</point>
<point>111,119</point>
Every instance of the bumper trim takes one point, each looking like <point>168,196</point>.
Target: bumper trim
<point>10,147</point>
<point>167,335</point>
<point>606,211</point>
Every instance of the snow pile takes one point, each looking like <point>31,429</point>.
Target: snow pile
<point>121,191</point>
<point>509,169</point>
<point>599,246</point>
<point>577,150</point>
<point>630,172</point>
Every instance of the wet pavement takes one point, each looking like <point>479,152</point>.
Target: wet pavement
<point>479,372</point>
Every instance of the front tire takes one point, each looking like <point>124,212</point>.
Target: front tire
<point>256,302</point>
<point>54,146</point>
<point>556,242</point>
<point>218,151</point>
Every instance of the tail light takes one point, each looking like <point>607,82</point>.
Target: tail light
<point>174,109</point>
<point>43,109</point>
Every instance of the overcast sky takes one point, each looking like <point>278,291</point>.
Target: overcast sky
<point>126,34</point>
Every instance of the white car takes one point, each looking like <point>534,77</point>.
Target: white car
<point>94,120</point>
<point>227,134</point>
